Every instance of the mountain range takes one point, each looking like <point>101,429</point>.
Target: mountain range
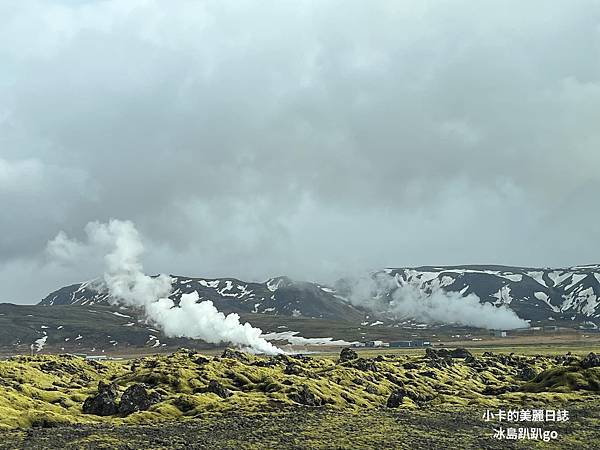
<point>566,296</point>
<point>83,318</point>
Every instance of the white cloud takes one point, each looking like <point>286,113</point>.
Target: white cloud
<point>423,132</point>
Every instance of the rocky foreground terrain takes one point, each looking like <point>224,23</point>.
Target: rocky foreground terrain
<point>238,400</point>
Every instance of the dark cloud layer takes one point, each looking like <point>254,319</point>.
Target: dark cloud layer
<point>308,138</point>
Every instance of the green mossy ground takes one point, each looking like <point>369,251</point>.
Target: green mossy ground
<point>48,391</point>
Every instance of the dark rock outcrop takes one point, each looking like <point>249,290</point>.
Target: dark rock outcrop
<point>395,398</point>
<point>235,354</point>
<point>306,397</point>
<point>460,353</point>
<point>217,388</point>
<point>104,402</point>
<point>591,360</point>
<point>367,365</point>
<point>135,398</point>
<point>445,353</point>
<point>292,369</point>
<point>347,354</point>
<point>527,373</point>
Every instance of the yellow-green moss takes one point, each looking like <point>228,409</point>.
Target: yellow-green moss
<point>54,387</point>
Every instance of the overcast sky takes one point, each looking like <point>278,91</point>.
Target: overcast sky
<point>308,138</point>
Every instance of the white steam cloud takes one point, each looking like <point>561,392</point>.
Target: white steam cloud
<point>408,301</point>
<point>128,285</point>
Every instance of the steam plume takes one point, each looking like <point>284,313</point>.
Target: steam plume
<point>385,294</point>
<point>127,284</point>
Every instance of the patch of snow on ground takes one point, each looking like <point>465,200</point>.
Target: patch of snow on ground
<point>273,284</point>
<point>544,298</point>
<point>576,279</point>
<point>38,345</point>
<point>541,296</point>
<point>558,277</point>
<point>121,315</point>
<point>517,278</point>
<point>209,284</point>
<point>417,277</point>
<point>591,301</point>
<point>537,276</point>
<point>378,322</point>
<point>293,338</point>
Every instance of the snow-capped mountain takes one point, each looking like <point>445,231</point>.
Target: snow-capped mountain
<point>276,296</point>
<point>569,294</point>
<point>561,296</point>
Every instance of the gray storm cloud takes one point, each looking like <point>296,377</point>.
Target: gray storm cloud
<point>387,295</point>
<point>326,137</point>
<point>129,285</point>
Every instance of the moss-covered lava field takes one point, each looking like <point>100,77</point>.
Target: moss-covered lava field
<point>431,399</point>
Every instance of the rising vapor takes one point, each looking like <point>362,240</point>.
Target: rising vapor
<point>388,295</point>
<point>128,285</point>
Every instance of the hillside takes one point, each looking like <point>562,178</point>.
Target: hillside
<point>276,296</point>
<point>540,295</point>
<point>568,297</point>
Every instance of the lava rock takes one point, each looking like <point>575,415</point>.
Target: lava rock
<point>201,360</point>
<point>527,373</point>
<point>111,388</point>
<point>265,363</point>
<point>184,404</point>
<point>306,397</point>
<point>394,379</point>
<point>217,388</point>
<point>470,360</point>
<point>235,354</point>
<point>499,390</point>
<point>460,353</point>
<point>395,399</point>
<point>57,368</point>
<point>104,402</point>
<point>281,358</point>
<point>135,398</point>
<point>365,365</point>
<point>440,363</point>
<point>431,353</point>
<point>347,354</point>
<point>371,389</point>
<point>591,360</point>
<point>301,357</point>
<point>292,369</point>
<point>429,374</point>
